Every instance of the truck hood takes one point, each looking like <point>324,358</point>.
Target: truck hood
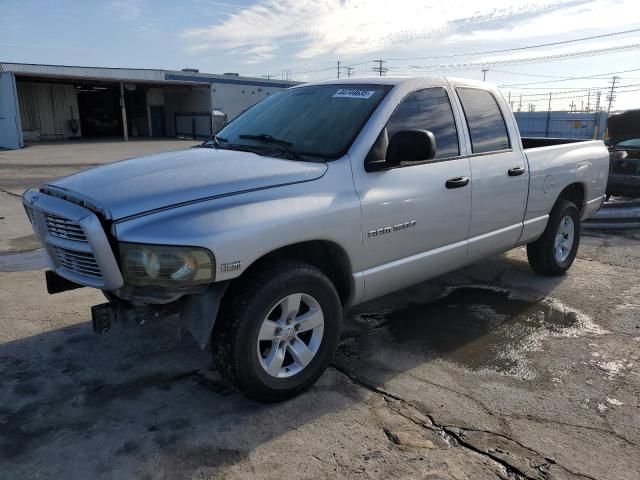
<point>139,185</point>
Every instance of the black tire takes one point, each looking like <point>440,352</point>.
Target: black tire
<point>541,253</point>
<point>243,310</point>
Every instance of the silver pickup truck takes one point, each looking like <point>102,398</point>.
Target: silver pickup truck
<point>320,197</point>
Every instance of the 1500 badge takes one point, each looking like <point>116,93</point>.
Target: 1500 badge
<point>396,228</point>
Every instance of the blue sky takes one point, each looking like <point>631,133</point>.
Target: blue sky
<point>308,37</point>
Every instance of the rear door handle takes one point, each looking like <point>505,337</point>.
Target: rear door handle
<point>515,171</point>
<point>457,182</point>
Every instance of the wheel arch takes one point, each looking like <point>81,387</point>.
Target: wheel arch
<point>327,256</point>
<point>575,193</point>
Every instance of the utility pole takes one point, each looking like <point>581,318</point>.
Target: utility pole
<point>611,96</point>
<point>349,71</point>
<point>338,69</point>
<point>520,104</point>
<point>572,106</point>
<point>589,101</point>
<point>381,69</point>
<point>484,74</point>
<point>598,94</point>
<point>548,116</point>
<point>123,108</point>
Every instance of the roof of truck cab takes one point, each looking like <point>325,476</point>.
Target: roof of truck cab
<point>401,80</point>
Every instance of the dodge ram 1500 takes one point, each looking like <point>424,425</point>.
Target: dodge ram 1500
<point>320,197</point>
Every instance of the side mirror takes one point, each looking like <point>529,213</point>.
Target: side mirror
<point>411,146</point>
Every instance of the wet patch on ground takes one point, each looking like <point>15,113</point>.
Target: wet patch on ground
<point>25,242</point>
<point>481,328</point>
<point>22,261</point>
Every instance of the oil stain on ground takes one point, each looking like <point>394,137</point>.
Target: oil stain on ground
<point>482,328</point>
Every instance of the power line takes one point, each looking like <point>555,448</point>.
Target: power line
<point>527,74</point>
<point>522,61</point>
<point>528,47</point>
<point>546,89</point>
<point>580,97</point>
<point>544,94</point>
<point>568,79</point>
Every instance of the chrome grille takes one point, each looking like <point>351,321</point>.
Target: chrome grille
<point>59,227</point>
<point>78,262</point>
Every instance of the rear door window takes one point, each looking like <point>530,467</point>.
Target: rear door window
<point>486,124</point>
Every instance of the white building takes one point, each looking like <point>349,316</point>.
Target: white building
<point>55,102</point>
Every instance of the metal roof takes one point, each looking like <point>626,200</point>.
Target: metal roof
<point>89,72</point>
<point>136,74</point>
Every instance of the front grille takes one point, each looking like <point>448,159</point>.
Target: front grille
<point>59,227</point>
<point>78,262</point>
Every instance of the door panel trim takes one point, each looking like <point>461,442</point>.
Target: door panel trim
<point>484,236</point>
<point>533,228</point>
<point>398,274</point>
<point>497,241</point>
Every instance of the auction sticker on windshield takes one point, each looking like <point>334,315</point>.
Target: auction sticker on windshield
<point>353,93</point>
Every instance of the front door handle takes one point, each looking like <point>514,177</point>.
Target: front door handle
<point>457,182</point>
<point>515,171</point>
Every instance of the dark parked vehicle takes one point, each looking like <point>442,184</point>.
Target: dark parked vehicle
<point>624,154</point>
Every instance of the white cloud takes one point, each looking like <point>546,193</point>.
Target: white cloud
<point>311,28</point>
<point>125,9</point>
<point>257,54</point>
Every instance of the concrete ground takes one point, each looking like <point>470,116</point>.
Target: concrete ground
<point>488,372</point>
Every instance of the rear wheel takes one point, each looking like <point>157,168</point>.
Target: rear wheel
<point>554,252</point>
<point>278,330</point>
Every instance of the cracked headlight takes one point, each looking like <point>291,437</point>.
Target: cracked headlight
<point>166,265</point>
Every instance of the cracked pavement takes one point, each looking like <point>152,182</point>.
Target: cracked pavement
<point>488,372</point>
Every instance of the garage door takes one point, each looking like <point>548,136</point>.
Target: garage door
<point>10,130</point>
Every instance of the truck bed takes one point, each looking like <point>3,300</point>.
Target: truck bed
<point>537,142</point>
<point>555,162</point>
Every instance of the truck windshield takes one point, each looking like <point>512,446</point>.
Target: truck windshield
<point>317,121</point>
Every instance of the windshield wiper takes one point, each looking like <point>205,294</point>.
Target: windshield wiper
<point>265,138</point>
<point>215,142</point>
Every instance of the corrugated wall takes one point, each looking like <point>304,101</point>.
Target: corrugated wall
<point>579,125</point>
<point>45,110</point>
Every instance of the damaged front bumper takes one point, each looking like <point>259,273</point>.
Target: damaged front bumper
<point>197,312</point>
<point>80,254</point>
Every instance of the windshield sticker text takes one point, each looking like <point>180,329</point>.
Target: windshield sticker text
<point>353,93</point>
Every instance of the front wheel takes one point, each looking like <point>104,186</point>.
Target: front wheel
<point>554,252</point>
<point>279,330</point>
